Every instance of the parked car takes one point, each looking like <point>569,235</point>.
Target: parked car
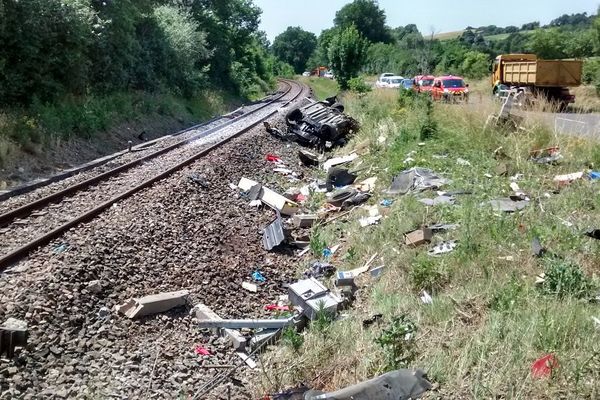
<point>306,73</point>
<point>391,82</point>
<point>408,84</point>
<point>329,75</point>
<point>450,88</point>
<point>383,81</point>
<point>424,83</point>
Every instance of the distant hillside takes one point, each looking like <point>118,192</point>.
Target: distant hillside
<point>447,35</point>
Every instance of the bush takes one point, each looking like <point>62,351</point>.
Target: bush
<point>398,342</point>
<point>358,85</point>
<point>564,279</point>
<point>426,274</point>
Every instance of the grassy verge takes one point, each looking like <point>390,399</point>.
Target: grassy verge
<point>322,87</point>
<point>41,125</point>
<point>489,321</point>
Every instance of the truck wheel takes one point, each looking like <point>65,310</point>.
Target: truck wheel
<point>293,116</point>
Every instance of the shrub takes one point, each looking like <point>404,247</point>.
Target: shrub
<point>292,338</point>
<point>398,342</point>
<point>564,279</point>
<point>426,274</point>
<point>358,85</point>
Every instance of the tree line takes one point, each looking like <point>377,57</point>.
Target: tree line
<point>55,48</point>
<point>361,42</point>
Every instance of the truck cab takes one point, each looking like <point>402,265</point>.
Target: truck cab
<point>424,83</point>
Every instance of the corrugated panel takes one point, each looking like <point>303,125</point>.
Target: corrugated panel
<point>274,235</point>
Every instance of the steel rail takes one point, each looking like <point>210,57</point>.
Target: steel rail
<point>26,209</point>
<point>24,250</point>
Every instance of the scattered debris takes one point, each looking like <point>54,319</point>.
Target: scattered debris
<point>426,298</point>
<point>508,205</point>
<point>563,180</point>
<point>386,203</point>
<point>593,233</point>
<point>251,287</point>
<point>344,278</point>
<point>273,158</point>
<point>443,248</point>
<point>202,351</point>
<point>258,277</point>
<point>376,272</point>
<point>596,322</point>
<point>440,227</point>
<point>594,175</point>
<point>463,162</point>
<point>550,155</point>
<point>374,319</point>
<point>319,270</point>
<point>202,312</point>
<point>247,359</point>
<point>276,307</point>
<point>332,162</point>
<point>13,333</point>
<point>339,177</point>
<point>246,323</point>
<point>544,366</point>
<point>313,298</point>
<point>274,235</point>
<point>416,180</point>
<point>418,237</point>
<point>153,304</point>
<point>61,248</point>
<point>270,198</point>
<point>308,158</point>
<point>368,221</point>
<point>436,201</point>
<point>199,180</point>
<point>401,384</point>
<point>304,220</point>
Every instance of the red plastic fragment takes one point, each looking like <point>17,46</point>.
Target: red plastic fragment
<point>202,351</point>
<point>543,367</point>
<point>275,307</point>
<point>272,158</point>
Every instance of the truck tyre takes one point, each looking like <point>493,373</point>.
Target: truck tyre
<point>293,116</point>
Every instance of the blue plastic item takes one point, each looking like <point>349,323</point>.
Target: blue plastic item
<point>258,277</point>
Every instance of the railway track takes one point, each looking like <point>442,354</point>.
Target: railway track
<point>34,223</point>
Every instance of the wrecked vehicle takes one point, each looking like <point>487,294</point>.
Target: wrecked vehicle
<point>320,124</point>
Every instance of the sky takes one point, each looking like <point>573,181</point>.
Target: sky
<point>437,15</point>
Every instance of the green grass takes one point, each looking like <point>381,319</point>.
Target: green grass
<point>488,321</point>
<point>503,36</point>
<point>40,125</point>
<point>322,87</point>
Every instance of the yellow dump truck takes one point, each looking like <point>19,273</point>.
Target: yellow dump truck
<point>548,78</point>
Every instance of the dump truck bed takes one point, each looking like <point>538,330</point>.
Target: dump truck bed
<point>543,73</point>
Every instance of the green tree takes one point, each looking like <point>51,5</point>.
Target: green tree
<point>295,46</point>
<point>347,52</point>
<point>548,43</point>
<point>368,19</point>
<point>187,44</point>
<point>320,56</point>
<point>475,65</point>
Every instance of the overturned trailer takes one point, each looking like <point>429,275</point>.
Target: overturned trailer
<point>320,124</point>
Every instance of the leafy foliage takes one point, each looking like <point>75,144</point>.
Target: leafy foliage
<point>294,46</point>
<point>56,48</point>
<point>368,19</point>
<point>399,343</point>
<point>358,85</point>
<point>565,279</point>
<point>347,52</point>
